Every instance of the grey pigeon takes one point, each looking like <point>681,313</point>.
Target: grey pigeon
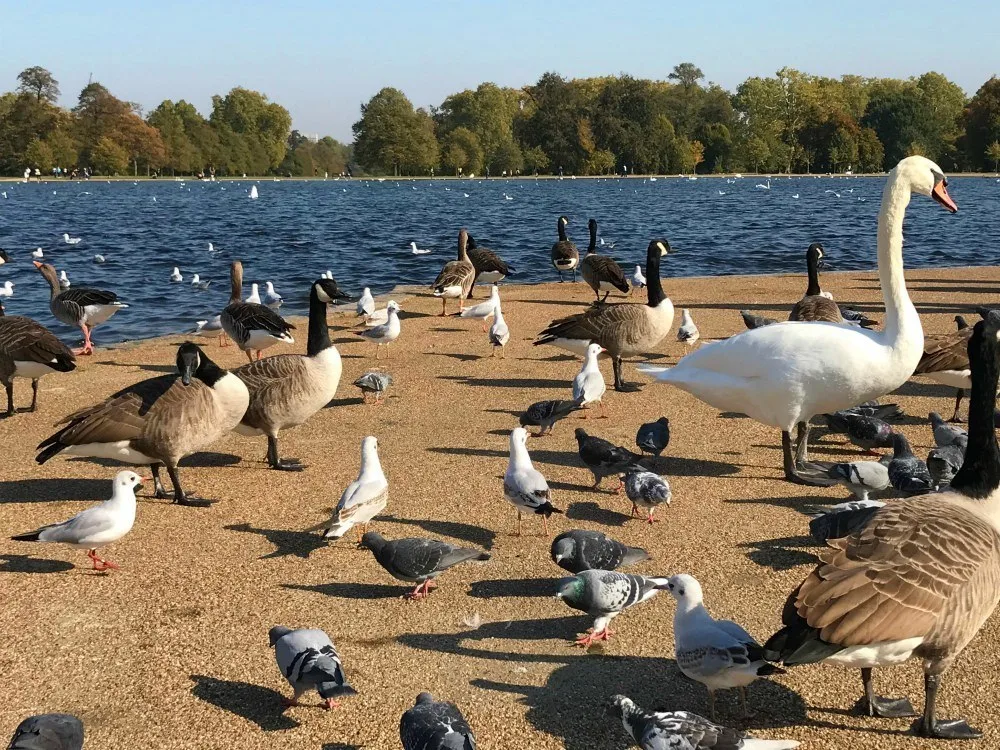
<point>886,412</point>
<point>48,732</point>
<point>604,459</point>
<point>860,477</point>
<point>578,550</point>
<point>418,560</point>
<point>435,725</point>
<point>843,519</point>
<point>947,434</point>
<point>944,463</point>
<point>654,437</point>
<point>646,490</point>
<point>907,473</point>
<point>752,321</point>
<point>683,730</point>
<point>605,594</point>
<point>374,383</point>
<point>545,414</point>
<point>308,660</point>
<point>865,432</point>
<point>857,318</point>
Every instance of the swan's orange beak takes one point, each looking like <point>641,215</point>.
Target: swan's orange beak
<point>940,194</point>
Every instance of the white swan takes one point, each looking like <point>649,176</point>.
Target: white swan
<point>784,374</point>
<point>765,187</point>
<point>253,192</point>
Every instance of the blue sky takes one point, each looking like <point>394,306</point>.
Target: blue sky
<point>322,59</point>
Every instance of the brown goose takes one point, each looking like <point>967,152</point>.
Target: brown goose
<point>816,305</point>
<point>80,306</point>
<point>158,421</point>
<point>565,256</point>
<point>490,267</point>
<point>946,360</point>
<point>623,329</point>
<point>455,279</point>
<point>250,325</point>
<point>919,579</point>
<point>600,271</point>
<point>288,389</point>
<point>29,350</point>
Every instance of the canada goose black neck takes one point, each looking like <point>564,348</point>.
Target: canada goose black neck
<point>207,371</point>
<point>561,226</point>
<point>980,473</point>
<point>813,255</point>
<point>654,289</point>
<point>319,333</point>
<point>961,322</point>
<point>236,282</point>
<point>592,247</point>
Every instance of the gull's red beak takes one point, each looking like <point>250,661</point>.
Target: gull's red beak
<point>940,194</point>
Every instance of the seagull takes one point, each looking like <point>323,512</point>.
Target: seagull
<point>688,331</point>
<point>721,193</point>
<point>416,250</point>
<point>418,560</point>
<point>175,275</point>
<point>508,197</point>
<point>765,187</point>
<point>499,333</point>
<point>71,240</point>
<point>7,290</point>
<point>523,485</point>
<point>465,194</point>
<point>364,498</point>
<point>309,661</point>
<point>208,328</point>
<point>435,725</point>
<point>384,334</point>
<point>646,490</point>
<point>638,279</point>
<point>605,594</point>
<point>486,309</point>
<point>589,386</point>
<point>197,282</point>
<point>37,253</point>
<point>211,248</point>
<point>271,298</point>
<point>717,653</point>
<point>97,526</point>
<point>254,297</point>
<point>579,550</point>
<point>795,196</point>
<point>545,414</point>
<point>64,280</point>
<point>366,304</point>
<point>253,192</point>
<point>99,258</point>
<point>609,245</point>
<point>832,191</point>
<point>373,383</point>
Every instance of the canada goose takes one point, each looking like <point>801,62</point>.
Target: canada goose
<point>565,256</point>
<point>600,271</point>
<point>157,421</point>
<point>252,325</point>
<point>623,329</point>
<point>455,279</point>
<point>490,267</point>
<point>29,350</point>
<point>82,306</point>
<point>287,389</point>
<point>784,374</point>
<point>946,360</point>
<point>919,579</point>
<point>816,305</point>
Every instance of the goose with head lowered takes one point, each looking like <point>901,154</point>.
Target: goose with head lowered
<point>455,279</point>
<point>157,422</point>
<point>29,350</point>
<point>565,256</point>
<point>601,272</point>
<point>816,304</point>
<point>919,579</point>
<point>784,374</point>
<point>251,325</point>
<point>623,329</point>
<point>288,389</point>
<point>81,306</point>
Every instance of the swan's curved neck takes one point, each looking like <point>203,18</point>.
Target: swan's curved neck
<point>900,316</point>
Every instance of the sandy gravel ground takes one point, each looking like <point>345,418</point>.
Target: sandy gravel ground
<point>171,651</point>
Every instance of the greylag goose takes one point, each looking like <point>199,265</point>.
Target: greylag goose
<point>81,306</point>
<point>455,279</point>
<point>29,350</point>
<point>251,325</point>
<point>565,256</point>
<point>601,272</point>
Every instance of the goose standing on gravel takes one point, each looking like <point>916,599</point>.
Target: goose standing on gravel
<point>486,309</point>
<point>623,329</point>
<point>271,298</point>
<point>455,279</point>
<point>287,389</point>
<point>601,272</point>
<point>816,304</point>
<point>919,579</point>
<point>490,267</point>
<point>82,307</point>
<point>252,326</point>
<point>385,333</point>
<point>29,350</point>
<point>158,421</point>
<point>784,374</point>
<point>946,360</point>
<point>364,498</point>
<point>565,256</point>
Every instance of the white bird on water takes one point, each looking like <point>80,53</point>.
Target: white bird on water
<point>175,275</point>
<point>99,258</point>
<point>417,250</point>
<point>198,283</point>
<point>254,298</point>
<point>271,298</point>
<point>253,192</point>
<point>37,253</point>
<point>765,187</point>
<point>71,240</point>
<point>7,290</point>
<point>63,280</point>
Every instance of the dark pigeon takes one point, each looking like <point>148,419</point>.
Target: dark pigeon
<point>654,437</point>
<point>435,725</point>
<point>865,432</point>
<point>843,519</point>
<point>48,732</point>
<point>418,560</point>
<point>545,414</point>
<point>604,459</point>
<point>755,321</point>
<point>944,463</point>
<point>858,318</point>
<point>578,550</point>
<point>907,473</point>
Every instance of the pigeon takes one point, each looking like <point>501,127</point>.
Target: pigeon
<point>545,414</point>
<point>579,550</point>
<point>48,732</point>
<point>418,560</point>
<point>654,437</point>
<point>365,497</point>
<point>638,279</point>
<point>271,298</point>
<point>386,333</point>
<point>366,304</point>
<point>604,459</point>
<point>907,473</point>
<point>688,332</point>
<point>97,526</point>
<point>717,653</point>
<point>524,485</point>
<point>64,282</point>
<point>947,434</point>
<point>309,661</point>
<point>944,463</point>
<point>755,321</point>
<point>499,333</point>
<point>71,240</point>
<point>884,412</point>
<point>99,258</point>
<point>646,490</point>
<point>865,432</point>
<point>684,730</point>
<point>589,385</point>
<point>175,275</point>
<point>373,383</point>
<point>860,477</point>
<point>435,725</point>
<point>843,519</point>
<point>856,318</point>
<point>605,594</point>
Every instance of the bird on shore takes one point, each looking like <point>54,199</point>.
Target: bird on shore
<point>947,434</point>
<point>176,276</point>
<point>907,473</point>
<point>523,485</point>
<point>29,350</point>
<point>588,385</point>
<point>271,298</point>
<point>688,331</point>
<point>545,414</point>
<point>653,437</point>
<point>842,519</point>
<point>601,272</point>
<point>64,282</point>
<point>211,328</point>
<point>366,304</point>
<point>455,279</point>
<point>499,333</point>
<point>638,279</point>
<point>83,307</point>
<point>251,325</point>
<point>97,526</point>
<point>373,385</point>
<point>604,459</point>
<point>943,464</point>
<point>308,660</point>
<point>946,360</point>
<point>48,732</point>
<point>605,594</point>
<point>435,725</point>
<point>868,433</point>
<point>579,550</point>
<point>386,333</point>
<point>565,255</point>
<point>364,498</point>
<point>816,305</point>
<point>254,296</point>
<point>71,240</point>
<point>490,267</point>
<point>647,490</point>
<point>418,560</point>
<point>486,309</point>
<point>860,477</point>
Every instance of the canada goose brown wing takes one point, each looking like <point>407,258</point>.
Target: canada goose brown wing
<point>600,268</point>
<point>564,250</point>
<point>815,307</point>
<point>909,573</point>
<point>484,259</point>
<point>611,326</point>
<point>455,273</point>
<point>272,383</point>
<point>178,420</point>
<point>945,352</point>
<point>24,340</point>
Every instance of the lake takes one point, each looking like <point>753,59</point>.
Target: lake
<point>362,229</point>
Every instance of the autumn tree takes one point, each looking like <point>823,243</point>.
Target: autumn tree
<point>39,83</point>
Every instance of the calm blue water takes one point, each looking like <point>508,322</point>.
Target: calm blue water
<point>361,230</point>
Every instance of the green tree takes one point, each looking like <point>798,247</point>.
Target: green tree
<point>686,74</point>
<point>982,123</point>
<point>993,154</point>
<point>262,126</point>
<point>39,83</point>
<point>462,152</point>
<point>64,148</point>
<point>697,149</point>
<point>871,155</point>
<point>535,160</point>
<point>392,137</point>
<point>108,158</point>
<point>39,155</point>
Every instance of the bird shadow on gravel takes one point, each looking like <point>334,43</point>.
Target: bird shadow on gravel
<point>514,587</point>
<point>197,460</point>
<point>26,564</point>
<point>556,458</point>
<point>675,466</point>
<point>286,541</point>
<point>780,554</point>
<point>146,367</point>
<point>466,532</point>
<point>54,490</point>
<point>594,513</point>
<point>794,502</point>
<point>509,382</point>
<point>570,703</point>
<point>254,703</point>
<point>352,590</point>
